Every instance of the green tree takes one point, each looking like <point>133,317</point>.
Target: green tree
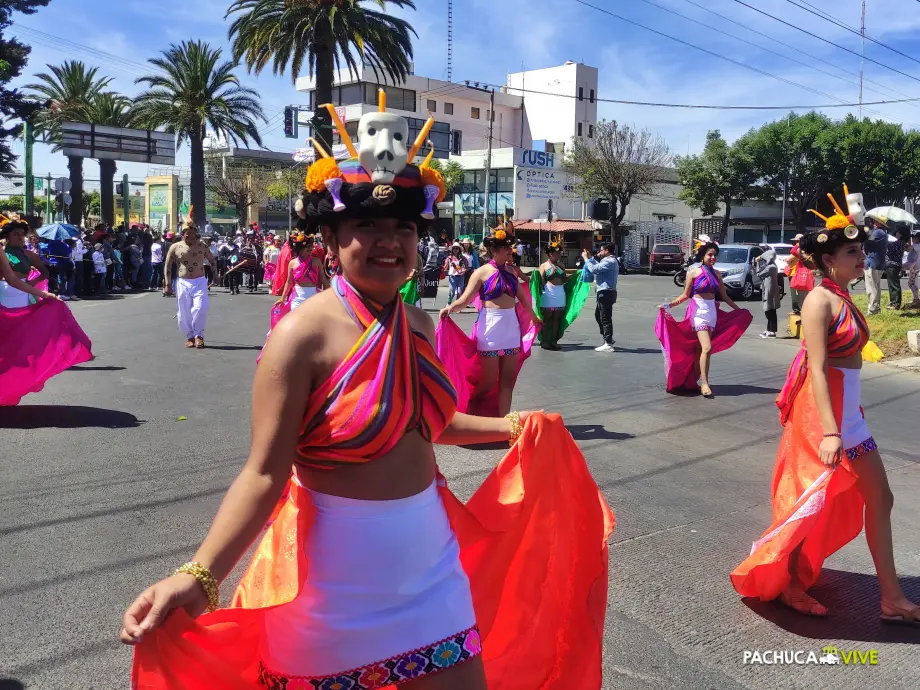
<point>911,157</point>
<point>12,204</point>
<point>289,182</point>
<point>67,91</point>
<point>874,160</point>
<point>451,171</point>
<point>721,175</point>
<point>623,162</point>
<point>796,156</point>
<point>193,91</point>
<point>13,58</point>
<point>323,34</point>
<point>92,207</point>
<point>112,110</point>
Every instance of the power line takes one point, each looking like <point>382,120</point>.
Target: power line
<point>821,38</point>
<point>718,107</point>
<point>837,22</point>
<point>746,41</point>
<point>708,52</point>
<point>792,47</point>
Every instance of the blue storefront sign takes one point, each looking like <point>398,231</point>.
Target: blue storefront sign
<point>528,158</point>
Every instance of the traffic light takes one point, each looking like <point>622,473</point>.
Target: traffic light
<point>118,189</point>
<point>290,122</point>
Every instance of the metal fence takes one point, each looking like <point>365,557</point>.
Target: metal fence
<point>644,235</point>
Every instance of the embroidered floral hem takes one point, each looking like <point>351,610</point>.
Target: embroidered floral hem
<point>437,656</point>
<point>710,329</point>
<point>863,448</point>
<point>510,352</point>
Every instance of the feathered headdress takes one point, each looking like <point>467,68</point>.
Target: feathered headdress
<point>840,220</point>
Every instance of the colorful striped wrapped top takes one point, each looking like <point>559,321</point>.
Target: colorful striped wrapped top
<point>391,382</point>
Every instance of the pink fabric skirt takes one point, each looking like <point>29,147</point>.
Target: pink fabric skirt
<point>36,343</point>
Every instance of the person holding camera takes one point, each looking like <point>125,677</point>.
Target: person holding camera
<point>606,270</point>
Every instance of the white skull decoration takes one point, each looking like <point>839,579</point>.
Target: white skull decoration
<point>383,147</point>
<point>856,209</point>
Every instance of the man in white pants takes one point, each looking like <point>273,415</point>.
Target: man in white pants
<point>192,285</point>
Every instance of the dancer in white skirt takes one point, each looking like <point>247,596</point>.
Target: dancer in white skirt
<point>306,274</point>
<point>191,255</point>
<point>22,261</point>
<point>498,332</point>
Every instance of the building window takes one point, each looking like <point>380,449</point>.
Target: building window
<point>397,99</point>
<point>457,146</point>
<point>581,93</point>
<point>504,181</point>
<point>350,127</point>
<point>590,131</point>
<point>591,97</point>
<point>579,129</point>
<point>439,136</point>
<point>448,108</point>
<point>474,113</point>
<point>664,217</point>
<point>432,106</point>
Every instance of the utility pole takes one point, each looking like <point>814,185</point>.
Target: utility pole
<point>126,200</point>
<point>862,58</point>
<point>491,114</point>
<point>48,217</point>
<point>29,181</point>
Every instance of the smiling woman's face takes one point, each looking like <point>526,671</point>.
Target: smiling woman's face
<point>376,254</point>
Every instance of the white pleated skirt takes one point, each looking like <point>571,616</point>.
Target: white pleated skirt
<point>301,295</point>
<point>384,582</point>
<point>13,298</point>
<point>498,330</point>
<point>553,296</point>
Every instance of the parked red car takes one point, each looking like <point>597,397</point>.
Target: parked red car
<point>665,257</point>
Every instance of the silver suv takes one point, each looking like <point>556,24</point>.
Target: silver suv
<point>734,263</point>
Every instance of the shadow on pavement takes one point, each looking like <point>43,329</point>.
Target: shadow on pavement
<point>231,346</point>
<point>734,391</point>
<point>79,367</point>
<point>638,350</point>
<point>575,348</point>
<point>65,417</point>
<point>10,684</point>
<point>595,432</point>
<point>853,602</point>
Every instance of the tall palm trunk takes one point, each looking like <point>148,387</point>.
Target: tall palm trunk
<point>75,214</point>
<point>107,170</point>
<point>325,73</point>
<point>197,194</point>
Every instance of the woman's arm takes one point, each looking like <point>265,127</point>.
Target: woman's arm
<point>723,293</point>
<point>471,289</point>
<point>289,283</point>
<point>13,279</point>
<point>688,288</point>
<point>321,272</point>
<point>816,318</point>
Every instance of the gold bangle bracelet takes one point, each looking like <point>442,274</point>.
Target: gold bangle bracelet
<point>516,427</point>
<point>207,581</point>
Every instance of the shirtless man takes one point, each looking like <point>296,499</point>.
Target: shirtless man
<point>190,254</point>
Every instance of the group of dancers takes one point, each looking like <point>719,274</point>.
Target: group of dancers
<point>370,573</point>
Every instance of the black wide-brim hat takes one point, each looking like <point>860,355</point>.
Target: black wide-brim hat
<point>367,200</point>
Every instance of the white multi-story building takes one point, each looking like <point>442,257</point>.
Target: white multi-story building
<point>548,106</point>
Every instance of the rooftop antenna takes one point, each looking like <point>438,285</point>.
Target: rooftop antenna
<point>862,59</point>
<point>450,40</point>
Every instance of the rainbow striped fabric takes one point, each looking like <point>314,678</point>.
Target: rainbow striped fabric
<point>391,382</point>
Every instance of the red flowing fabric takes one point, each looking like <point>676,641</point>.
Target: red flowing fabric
<point>533,542</point>
<point>38,342</point>
<point>284,258</point>
<point>815,508</point>
<point>681,347</point>
<point>460,357</point>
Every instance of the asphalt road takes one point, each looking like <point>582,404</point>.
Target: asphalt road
<point>103,491</point>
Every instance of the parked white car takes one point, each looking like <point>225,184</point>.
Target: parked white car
<point>782,254</point>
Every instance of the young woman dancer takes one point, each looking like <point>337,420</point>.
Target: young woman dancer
<point>828,471</point>
<point>498,331</point>
<point>371,573</point>
<point>306,273</point>
<point>22,261</point>
<point>705,319</point>
<point>558,299</point>
<point>455,268</point>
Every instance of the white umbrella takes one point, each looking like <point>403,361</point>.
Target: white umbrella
<point>891,214</point>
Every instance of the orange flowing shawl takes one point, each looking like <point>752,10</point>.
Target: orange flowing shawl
<point>533,541</point>
<point>814,507</point>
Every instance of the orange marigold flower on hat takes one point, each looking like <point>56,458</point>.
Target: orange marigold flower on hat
<point>430,176</point>
<point>500,234</point>
<point>837,222</point>
<point>322,170</point>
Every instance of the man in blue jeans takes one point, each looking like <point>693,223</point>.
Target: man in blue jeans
<point>606,270</point>
<point>876,248</point>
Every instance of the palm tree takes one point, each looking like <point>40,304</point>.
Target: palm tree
<point>194,91</point>
<point>111,110</point>
<point>324,34</point>
<point>68,90</point>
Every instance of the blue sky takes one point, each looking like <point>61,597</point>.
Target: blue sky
<point>493,37</point>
